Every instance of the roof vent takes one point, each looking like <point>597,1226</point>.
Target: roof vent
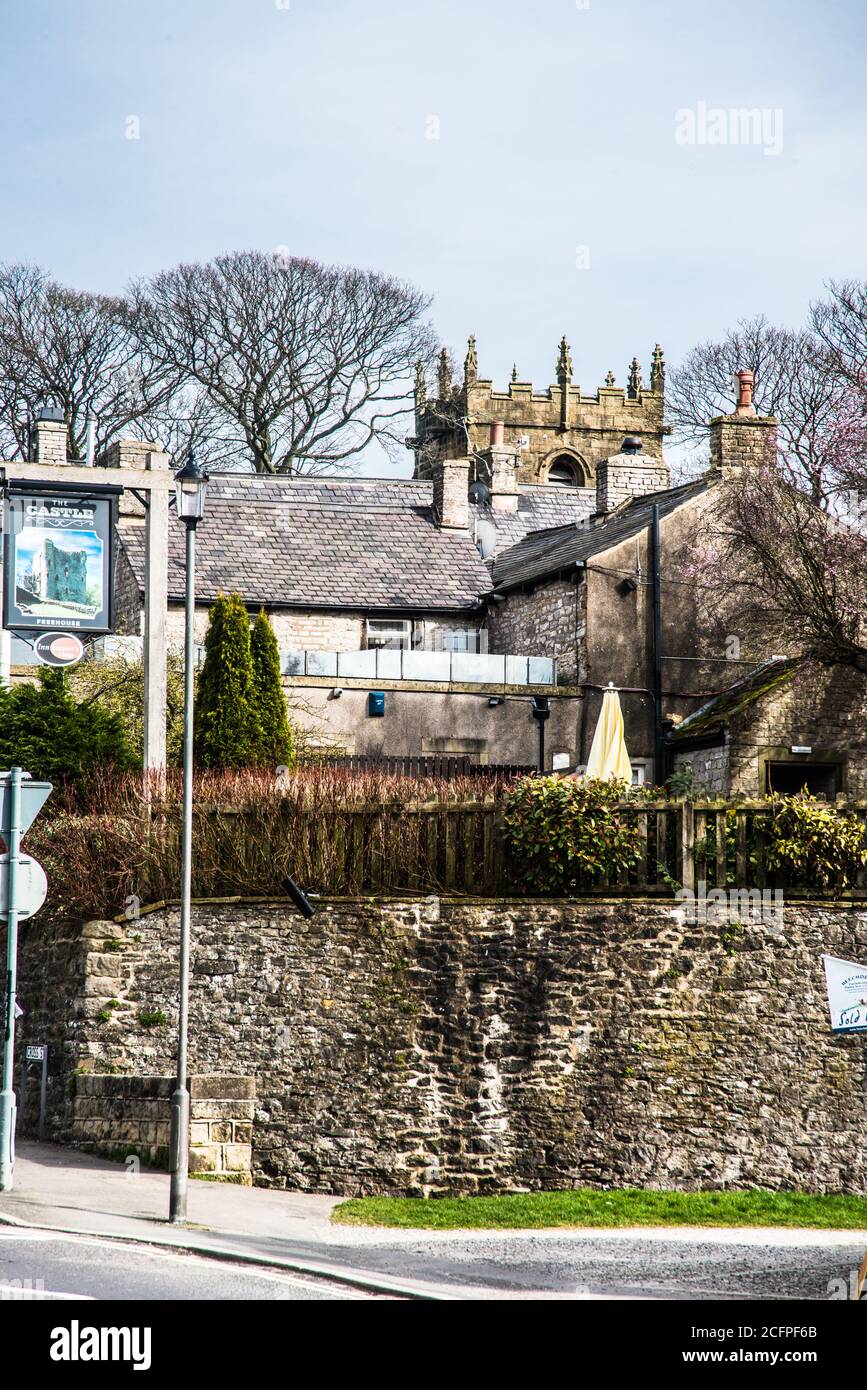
<point>631,445</point>
<point>480,494</point>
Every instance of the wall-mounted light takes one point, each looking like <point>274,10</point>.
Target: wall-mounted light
<point>496,700</point>
<point>337,692</point>
<point>299,897</point>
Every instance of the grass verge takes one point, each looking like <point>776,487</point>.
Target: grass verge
<point>594,1208</point>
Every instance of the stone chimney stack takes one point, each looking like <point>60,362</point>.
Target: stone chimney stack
<point>50,436</point>
<point>628,474</point>
<point>502,464</point>
<point>451,504</point>
<point>743,439</point>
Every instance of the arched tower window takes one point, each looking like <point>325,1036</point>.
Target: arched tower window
<point>564,471</point>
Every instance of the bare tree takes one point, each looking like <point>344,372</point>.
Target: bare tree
<point>794,381</point>
<point>74,351</point>
<point>308,362</point>
<point>840,325</point>
<point>781,572</point>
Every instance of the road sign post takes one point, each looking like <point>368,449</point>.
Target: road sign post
<point>20,803</point>
<point>12,836</point>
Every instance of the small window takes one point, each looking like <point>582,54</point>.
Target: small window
<point>563,472</point>
<point>394,633</point>
<point>820,779</point>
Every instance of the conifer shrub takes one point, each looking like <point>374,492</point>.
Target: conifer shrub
<point>227,729</point>
<point>276,748</point>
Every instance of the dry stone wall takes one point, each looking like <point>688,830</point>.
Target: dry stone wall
<point>460,1045</point>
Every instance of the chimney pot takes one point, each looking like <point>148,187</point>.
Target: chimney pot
<point>497,433</point>
<point>746,382</point>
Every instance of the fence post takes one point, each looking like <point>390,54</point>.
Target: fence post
<point>686,840</point>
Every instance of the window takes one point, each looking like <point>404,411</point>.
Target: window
<point>563,472</point>
<point>394,633</point>
<point>820,779</point>
<point>459,639</point>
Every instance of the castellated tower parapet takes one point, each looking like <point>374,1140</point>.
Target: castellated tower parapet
<point>559,435</point>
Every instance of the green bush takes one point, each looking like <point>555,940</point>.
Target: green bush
<point>228,733</point>
<point>561,832</point>
<point>814,842</point>
<point>117,686</point>
<point>276,748</point>
<point>44,731</point>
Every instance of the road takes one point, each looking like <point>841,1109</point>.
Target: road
<point>673,1264</point>
<point>73,1192</point>
<point>41,1264</point>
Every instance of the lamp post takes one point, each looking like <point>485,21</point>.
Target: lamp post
<point>190,484</point>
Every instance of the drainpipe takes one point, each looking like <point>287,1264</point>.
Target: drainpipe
<point>541,712</point>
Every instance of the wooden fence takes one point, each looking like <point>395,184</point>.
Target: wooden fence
<point>427,765</point>
<point>461,848</point>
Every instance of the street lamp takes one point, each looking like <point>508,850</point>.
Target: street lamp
<point>190,484</point>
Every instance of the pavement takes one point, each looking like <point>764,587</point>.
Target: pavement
<point>62,1190</point>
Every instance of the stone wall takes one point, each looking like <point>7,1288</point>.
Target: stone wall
<point>825,710</point>
<point>710,767</point>
<point>459,1045</point>
<point>548,621</point>
<point>131,1115</point>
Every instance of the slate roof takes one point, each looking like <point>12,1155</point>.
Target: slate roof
<point>771,674</point>
<point>545,552</point>
<point>360,543</point>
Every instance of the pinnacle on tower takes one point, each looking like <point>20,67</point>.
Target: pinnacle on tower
<point>444,375</point>
<point>514,371</point>
<point>635,383</point>
<point>471,361</point>
<point>609,380</point>
<point>420,386</point>
<point>564,363</point>
<point>657,370</point>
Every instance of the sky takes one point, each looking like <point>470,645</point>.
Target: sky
<point>561,166</point>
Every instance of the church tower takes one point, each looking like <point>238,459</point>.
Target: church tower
<point>558,434</point>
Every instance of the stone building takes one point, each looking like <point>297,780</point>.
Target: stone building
<point>786,725</point>
<point>584,592</point>
<point>560,434</point>
<point>377,587</point>
<point>440,615</point>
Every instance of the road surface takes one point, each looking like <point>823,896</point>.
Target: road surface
<point>39,1264</point>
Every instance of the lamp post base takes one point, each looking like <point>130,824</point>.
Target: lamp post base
<point>179,1158</point>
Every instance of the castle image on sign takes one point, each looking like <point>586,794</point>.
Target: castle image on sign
<point>53,580</point>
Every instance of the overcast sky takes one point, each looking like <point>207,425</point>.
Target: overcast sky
<point>561,194</point>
